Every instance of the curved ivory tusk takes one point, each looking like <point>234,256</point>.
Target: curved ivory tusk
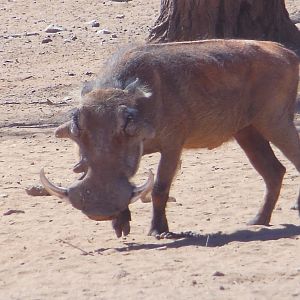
<point>51,188</point>
<point>143,190</point>
<point>81,166</point>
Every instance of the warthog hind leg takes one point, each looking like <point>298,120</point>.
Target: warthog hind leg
<point>263,159</point>
<point>285,137</point>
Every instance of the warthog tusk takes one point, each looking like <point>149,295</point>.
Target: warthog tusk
<point>143,190</point>
<point>81,166</point>
<point>51,188</point>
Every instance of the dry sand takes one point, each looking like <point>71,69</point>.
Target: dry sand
<point>51,251</point>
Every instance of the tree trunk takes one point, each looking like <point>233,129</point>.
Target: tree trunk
<point>184,20</point>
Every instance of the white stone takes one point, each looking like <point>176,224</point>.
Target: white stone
<point>54,28</point>
<point>104,31</point>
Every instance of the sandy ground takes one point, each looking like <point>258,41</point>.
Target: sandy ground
<point>51,251</point>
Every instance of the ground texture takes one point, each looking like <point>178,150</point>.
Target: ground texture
<point>51,251</point>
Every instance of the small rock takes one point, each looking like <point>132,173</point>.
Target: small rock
<point>36,190</point>
<point>120,16</point>
<point>222,288</point>
<point>31,33</point>
<point>104,31</point>
<point>54,28</point>
<point>88,73</point>
<point>217,273</point>
<point>49,102</point>
<point>3,195</point>
<point>171,199</point>
<point>121,274</point>
<point>94,23</point>
<point>13,211</point>
<point>46,40</point>
<point>146,199</point>
<point>114,36</point>
<point>16,35</point>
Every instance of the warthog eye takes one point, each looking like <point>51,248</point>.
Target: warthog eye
<point>130,126</point>
<point>127,119</point>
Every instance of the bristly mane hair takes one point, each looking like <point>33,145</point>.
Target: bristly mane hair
<point>109,76</point>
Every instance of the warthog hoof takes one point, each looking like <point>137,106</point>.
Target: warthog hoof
<point>121,224</point>
<point>159,226</point>
<point>260,220</point>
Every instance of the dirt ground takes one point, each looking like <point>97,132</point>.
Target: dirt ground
<point>51,251</point>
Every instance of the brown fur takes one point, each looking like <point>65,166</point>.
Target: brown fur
<point>203,94</point>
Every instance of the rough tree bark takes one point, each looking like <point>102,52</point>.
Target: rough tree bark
<point>182,20</point>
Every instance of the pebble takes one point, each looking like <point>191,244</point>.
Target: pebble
<point>16,35</point>
<point>121,274</point>
<point>31,33</point>
<point>46,40</point>
<point>114,36</point>
<point>94,23</point>
<point>54,28</point>
<point>13,211</point>
<point>120,16</point>
<point>104,31</point>
<point>36,190</point>
<point>70,39</point>
<point>217,273</point>
<point>3,195</point>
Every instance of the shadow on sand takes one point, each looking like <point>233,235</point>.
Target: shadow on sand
<point>217,239</point>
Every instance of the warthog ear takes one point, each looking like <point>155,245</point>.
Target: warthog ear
<point>138,89</point>
<point>131,123</point>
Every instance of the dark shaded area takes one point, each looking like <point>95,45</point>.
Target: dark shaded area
<point>216,239</point>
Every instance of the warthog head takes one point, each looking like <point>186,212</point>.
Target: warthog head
<point>109,130</point>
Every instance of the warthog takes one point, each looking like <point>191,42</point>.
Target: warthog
<point>167,97</point>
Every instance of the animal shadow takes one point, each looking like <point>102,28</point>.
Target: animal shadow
<point>217,239</point>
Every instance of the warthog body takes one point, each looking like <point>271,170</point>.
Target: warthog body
<point>188,95</point>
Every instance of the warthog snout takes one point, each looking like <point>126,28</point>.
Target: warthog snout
<point>99,203</point>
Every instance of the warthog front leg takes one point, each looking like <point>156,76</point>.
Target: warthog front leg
<point>160,194</point>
